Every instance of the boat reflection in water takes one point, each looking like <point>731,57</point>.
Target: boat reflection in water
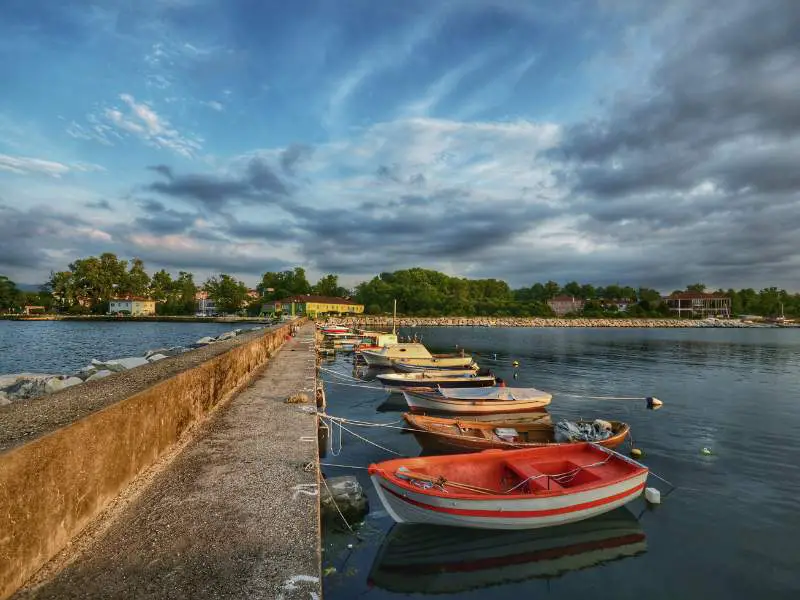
<point>445,560</point>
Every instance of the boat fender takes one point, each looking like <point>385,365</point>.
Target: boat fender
<point>636,453</point>
<point>652,495</point>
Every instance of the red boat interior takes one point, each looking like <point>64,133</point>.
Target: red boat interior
<point>525,471</point>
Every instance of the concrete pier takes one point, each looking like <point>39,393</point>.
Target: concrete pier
<point>235,514</point>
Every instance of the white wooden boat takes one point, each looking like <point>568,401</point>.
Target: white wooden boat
<point>383,357</point>
<point>433,379</point>
<point>508,489</point>
<point>476,401</point>
<point>415,365</point>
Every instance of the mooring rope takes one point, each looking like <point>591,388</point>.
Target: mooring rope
<point>362,438</point>
<point>336,506</point>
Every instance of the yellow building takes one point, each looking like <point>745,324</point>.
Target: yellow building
<point>134,306</point>
<point>313,306</point>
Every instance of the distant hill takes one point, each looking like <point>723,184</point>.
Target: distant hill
<point>29,287</point>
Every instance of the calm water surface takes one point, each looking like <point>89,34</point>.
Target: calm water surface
<point>64,346</point>
<point>731,529</point>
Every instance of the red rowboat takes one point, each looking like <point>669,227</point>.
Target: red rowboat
<point>513,489</point>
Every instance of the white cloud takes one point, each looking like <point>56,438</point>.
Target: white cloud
<point>22,165</point>
<point>141,120</point>
<point>445,86</point>
<point>214,105</point>
<point>388,55</point>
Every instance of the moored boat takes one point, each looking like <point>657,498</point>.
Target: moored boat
<point>449,435</point>
<point>434,379</point>
<point>476,401</point>
<point>427,559</point>
<point>437,361</point>
<point>382,357</point>
<point>511,489</point>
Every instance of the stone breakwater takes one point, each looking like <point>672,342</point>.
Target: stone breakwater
<point>383,322</point>
<point>24,386</point>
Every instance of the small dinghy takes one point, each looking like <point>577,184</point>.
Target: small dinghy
<point>508,489</point>
<point>433,379</point>
<point>415,365</point>
<point>449,435</point>
<point>470,401</point>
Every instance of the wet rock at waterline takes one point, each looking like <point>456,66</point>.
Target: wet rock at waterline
<point>24,386</point>
<point>345,493</point>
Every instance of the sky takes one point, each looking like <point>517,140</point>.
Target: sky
<point>606,141</point>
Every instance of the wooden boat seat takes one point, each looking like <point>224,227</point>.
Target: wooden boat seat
<point>525,470</point>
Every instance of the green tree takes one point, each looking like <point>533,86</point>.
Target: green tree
<point>10,297</point>
<point>138,281</point>
<point>283,284</point>
<point>229,294</point>
<point>697,288</point>
<point>329,286</point>
<point>573,288</point>
<point>551,290</point>
<point>161,286</point>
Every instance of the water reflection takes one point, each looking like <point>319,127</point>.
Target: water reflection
<point>437,560</point>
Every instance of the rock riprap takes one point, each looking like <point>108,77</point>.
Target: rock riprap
<point>24,386</point>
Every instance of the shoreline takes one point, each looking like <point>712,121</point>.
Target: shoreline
<point>642,323</point>
<point>142,319</point>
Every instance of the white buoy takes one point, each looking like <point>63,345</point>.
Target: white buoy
<point>652,495</point>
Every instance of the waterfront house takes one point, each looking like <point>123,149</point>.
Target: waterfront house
<point>562,305</point>
<point>135,306</point>
<point>205,305</point>
<point>699,305</point>
<point>313,306</point>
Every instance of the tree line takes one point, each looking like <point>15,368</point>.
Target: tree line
<point>90,283</point>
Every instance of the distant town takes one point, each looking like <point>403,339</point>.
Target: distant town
<point>107,285</point>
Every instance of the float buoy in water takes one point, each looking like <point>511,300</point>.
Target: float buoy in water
<point>515,363</point>
<point>636,453</point>
<point>706,452</point>
<point>653,403</point>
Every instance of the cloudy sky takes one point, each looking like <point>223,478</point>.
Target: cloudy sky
<point>644,143</point>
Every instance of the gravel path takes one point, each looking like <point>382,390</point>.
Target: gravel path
<point>234,515</point>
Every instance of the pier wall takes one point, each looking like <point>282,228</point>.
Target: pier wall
<point>52,486</point>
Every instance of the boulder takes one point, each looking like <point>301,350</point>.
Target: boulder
<point>348,495</point>
<point>85,373</point>
<point>56,384</point>
<point>4,399</point>
<point>155,357</point>
<point>100,374</point>
<point>150,353</point>
<point>226,336</point>
<point>130,362</point>
<point>25,388</point>
<point>11,379</point>
<point>204,341</point>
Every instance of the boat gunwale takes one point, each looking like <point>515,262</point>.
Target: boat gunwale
<point>638,469</point>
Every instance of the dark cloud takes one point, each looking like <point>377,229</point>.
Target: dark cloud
<point>279,230</point>
<point>99,204</point>
<point>700,167</point>
<point>293,155</point>
<point>163,170</point>
<point>27,237</point>
<point>257,185</point>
